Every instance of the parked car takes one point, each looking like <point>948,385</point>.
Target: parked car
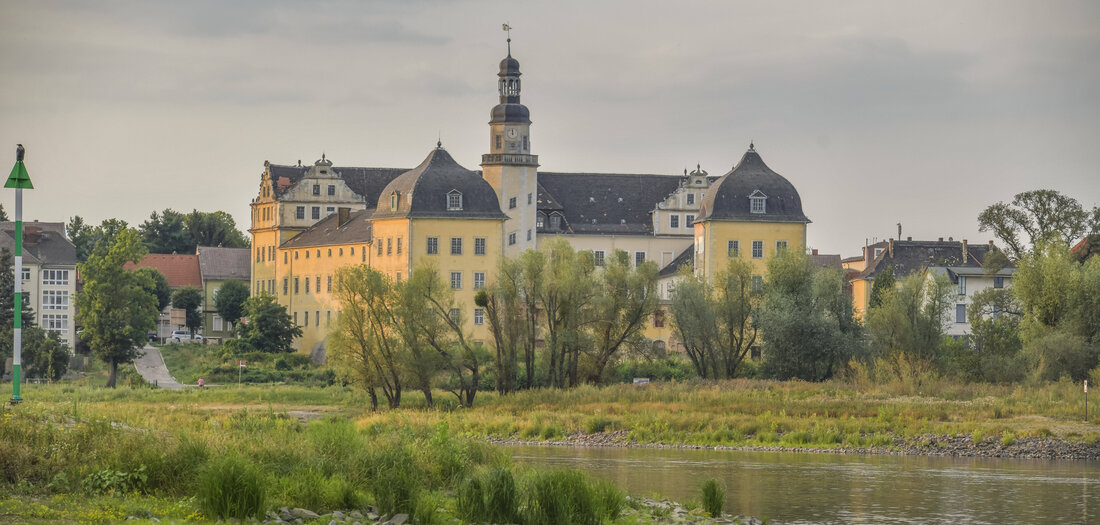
<point>181,336</point>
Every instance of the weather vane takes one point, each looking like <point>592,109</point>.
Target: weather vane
<point>508,29</point>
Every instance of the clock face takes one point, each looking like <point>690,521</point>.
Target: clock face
<point>512,133</point>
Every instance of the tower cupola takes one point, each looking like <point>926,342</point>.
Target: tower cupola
<point>508,85</point>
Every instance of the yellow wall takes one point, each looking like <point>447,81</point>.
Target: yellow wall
<point>467,263</point>
<point>318,306</point>
<point>861,296</point>
<point>714,237</point>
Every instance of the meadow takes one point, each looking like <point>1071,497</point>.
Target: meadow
<point>195,454</point>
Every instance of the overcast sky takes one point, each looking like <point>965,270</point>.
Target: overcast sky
<point>879,112</point>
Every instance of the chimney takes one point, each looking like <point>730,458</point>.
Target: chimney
<point>342,216</point>
<point>941,239</point>
<point>966,254</point>
<point>891,248</point>
<point>908,238</point>
<point>814,251</point>
<point>991,248</point>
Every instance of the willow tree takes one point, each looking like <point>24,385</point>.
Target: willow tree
<point>365,340</point>
<point>566,297</point>
<point>715,321</point>
<point>626,299</point>
<point>442,329</point>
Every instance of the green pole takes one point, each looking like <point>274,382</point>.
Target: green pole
<point>20,180</point>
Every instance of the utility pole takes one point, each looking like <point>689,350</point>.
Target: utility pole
<point>20,180</point>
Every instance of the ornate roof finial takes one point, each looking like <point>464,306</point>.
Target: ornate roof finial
<point>508,29</point>
<point>698,167</point>
<point>752,147</point>
<point>323,155</point>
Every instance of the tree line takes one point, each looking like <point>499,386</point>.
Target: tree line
<point>168,231</point>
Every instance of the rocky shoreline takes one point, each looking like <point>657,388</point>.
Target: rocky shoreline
<point>962,445</point>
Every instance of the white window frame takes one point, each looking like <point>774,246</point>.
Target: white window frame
<point>454,200</point>
<point>433,246</point>
<point>479,316</point>
<point>479,280</point>
<point>598,257</point>
<point>757,249</point>
<point>456,280</point>
<point>479,245</point>
<point>639,258</point>
<point>758,202</point>
<point>673,221</point>
<point>733,249</point>
<point>456,245</point>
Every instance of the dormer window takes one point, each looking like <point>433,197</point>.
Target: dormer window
<point>395,200</point>
<point>555,221</point>
<point>758,202</point>
<point>454,200</point>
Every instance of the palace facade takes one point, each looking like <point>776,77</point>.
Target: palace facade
<point>308,221</point>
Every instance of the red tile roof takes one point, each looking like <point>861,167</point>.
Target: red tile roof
<point>180,270</point>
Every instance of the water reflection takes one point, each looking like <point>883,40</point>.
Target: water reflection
<point>833,488</point>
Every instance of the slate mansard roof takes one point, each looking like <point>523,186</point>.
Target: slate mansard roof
<point>366,182</point>
<point>914,256</point>
<point>728,199</point>
<point>603,203</point>
<point>423,192</point>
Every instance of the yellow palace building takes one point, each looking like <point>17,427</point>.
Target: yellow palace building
<point>308,221</point>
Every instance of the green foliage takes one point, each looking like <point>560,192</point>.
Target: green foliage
<point>1059,354</point>
<point>626,299</point>
<point>714,496</point>
<point>115,307</point>
<point>907,329</point>
<point>671,368</point>
<point>884,283</point>
<point>173,232</point>
<point>165,233</point>
<point>501,499</point>
<point>567,496</point>
<point>806,319</point>
<point>232,487</point>
<point>268,327</point>
<point>715,321</point>
<point>1042,215</point>
<point>1060,299</point>
<point>115,482</point>
<point>994,350</point>
<point>159,286</point>
<point>470,501</point>
<point>395,479</point>
<point>86,237</point>
<point>44,355</point>
<point>229,300</point>
<point>189,299</point>
<point>214,229</point>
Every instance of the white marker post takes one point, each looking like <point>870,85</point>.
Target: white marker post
<point>1086,401</point>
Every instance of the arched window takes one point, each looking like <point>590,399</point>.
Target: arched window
<point>758,202</point>
<point>454,200</point>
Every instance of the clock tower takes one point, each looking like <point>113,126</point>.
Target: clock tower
<point>509,167</point>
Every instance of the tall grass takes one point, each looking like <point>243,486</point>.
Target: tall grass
<point>714,496</point>
<point>231,487</point>
<point>559,497</point>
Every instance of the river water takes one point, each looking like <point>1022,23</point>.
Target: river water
<point>837,488</point>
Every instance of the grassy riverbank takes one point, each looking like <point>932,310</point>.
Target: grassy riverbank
<point>149,452</point>
<point>767,413</point>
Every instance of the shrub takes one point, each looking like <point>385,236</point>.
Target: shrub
<point>231,487</point>
<point>611,500</point>
<point>1008,439</point>
<point>713,497</point>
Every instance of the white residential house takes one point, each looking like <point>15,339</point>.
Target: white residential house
<point>49,275</point>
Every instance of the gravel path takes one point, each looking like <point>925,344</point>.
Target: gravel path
<point>151,367</point>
